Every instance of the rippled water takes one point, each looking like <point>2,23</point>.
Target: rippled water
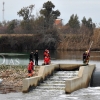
<point>90,93</point>
<point>82,94</point>
<point>48,90</point>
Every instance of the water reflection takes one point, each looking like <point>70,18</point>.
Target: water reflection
<point>56,56</point>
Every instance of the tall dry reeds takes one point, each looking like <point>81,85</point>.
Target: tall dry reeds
<point>80,41</point>
<point>50,40</point>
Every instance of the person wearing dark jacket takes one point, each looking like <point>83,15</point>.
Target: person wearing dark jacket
<point>31,56</point>
<point>84,57</point>
<point>36,57</point>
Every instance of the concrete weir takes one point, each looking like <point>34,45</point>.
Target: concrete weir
<point>72,84</point>
<point>81,81</point>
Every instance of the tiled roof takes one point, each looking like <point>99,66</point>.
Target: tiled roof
<point>58,21</point>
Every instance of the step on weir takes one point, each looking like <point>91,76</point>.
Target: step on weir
<point>57,81</point>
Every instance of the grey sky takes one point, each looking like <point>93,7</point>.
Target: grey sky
<point>87,8</point>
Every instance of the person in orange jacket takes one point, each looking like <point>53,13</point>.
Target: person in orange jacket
<point>32,65</point>
<point>45,53</point>
<point>46,57</point>
<point>46,60</point>
<point>30,68</point>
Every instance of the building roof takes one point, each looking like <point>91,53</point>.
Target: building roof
<point>58,21</point>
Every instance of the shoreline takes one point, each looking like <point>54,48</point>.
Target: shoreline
<point>12,78</point>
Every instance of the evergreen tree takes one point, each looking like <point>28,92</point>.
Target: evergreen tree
<point>74,22</point>
<point>88,24</point>
<point>49,14</point>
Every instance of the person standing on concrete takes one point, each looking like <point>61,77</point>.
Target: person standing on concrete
<point>32,65</point>
<point>29,69</point>
<point>36,57</point>
<point>31,56</point>
<point>86,56</point>
<point>46,57</point>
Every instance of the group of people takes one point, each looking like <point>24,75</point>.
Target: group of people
<point>47,61</point>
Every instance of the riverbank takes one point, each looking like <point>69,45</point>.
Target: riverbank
<point>69,42</point>
<point>12,78</point>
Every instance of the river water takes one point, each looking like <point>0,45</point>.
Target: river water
<point>90,93</point>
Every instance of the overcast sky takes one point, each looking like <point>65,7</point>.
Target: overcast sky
<point>87,8</point>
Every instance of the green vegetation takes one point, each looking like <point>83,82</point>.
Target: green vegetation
<point>41,32</point>
<point>48,14</point>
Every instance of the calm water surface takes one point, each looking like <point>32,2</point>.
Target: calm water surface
<point>56,57</point>
<point>90,93</point>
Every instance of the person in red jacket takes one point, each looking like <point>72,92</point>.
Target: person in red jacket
<point>30,68</point>
<point>46,57</point>
<point>46,60</point>
<point>32,65</point>
<point>45,53</point>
